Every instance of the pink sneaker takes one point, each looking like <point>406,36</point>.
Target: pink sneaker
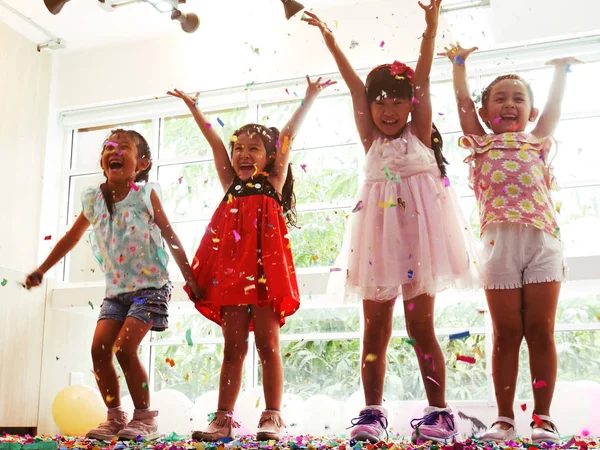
<point>436,425</point>
<point>116,420</point>
<point>370,425</point>
<point>143,426</point>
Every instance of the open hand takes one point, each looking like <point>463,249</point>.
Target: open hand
<point>564,62</point>
<point>457,53</point>
<point>188,99</point>
<point>33,279</point>
<point>313,20</point>
<point>315,88</point>
<point>432,13</point>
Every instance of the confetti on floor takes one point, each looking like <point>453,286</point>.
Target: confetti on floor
<point>175,442</point>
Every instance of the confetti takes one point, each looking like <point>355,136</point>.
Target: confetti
<point>236,236</point>
<point>497,120</point>
<point>335,269</point>
<point>446,182</point>
<point>382,44</point>
<point>91,304</point>
<point>492,242</point>
<point>109,398</point>
<point>111,144</point>
<point>410,274</point>
<point>431,379</point>
<point>170,362</point>
<point>358,206</point>
<point>388,174</point>
<point>459,60</point>
<point>4,281</point>
<point>133,186</point>
<point>539,384</point>
<point>139,301</point>
<point>467,359</point>
<point>336,23</point>
<point>208,125</point>
<point>145,386</point>
<point>284,147</point>
<point>410,341</point>
<point>585,433</point>
<point>180,179</point>
<point>524,407</point>
<point>415,101</point>
<point>410,306</point>
<point>47,238</point>
<point>568,68</point>
<point>371,357</point>
<point>401,203</point>
<point>461,335</point>
<point>353,44</point>
<point>188,337</point>
<point>303,166</point>
<point>558,206</point>
<point>233,138</point>
<point>220,122</point>
<point>537,420</point>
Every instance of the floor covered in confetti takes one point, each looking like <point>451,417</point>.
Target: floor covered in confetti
<point>175,442</point>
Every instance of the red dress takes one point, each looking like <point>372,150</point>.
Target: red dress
<point>245,256</point>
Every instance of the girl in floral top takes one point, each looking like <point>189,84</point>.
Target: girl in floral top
<point>522,258</point>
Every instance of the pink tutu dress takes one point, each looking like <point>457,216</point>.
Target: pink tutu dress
<point>408,236</point>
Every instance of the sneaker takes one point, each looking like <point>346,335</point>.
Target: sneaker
<point>270,426</point>
<point>370,425</point>
<point>546,431</point>
<point>221,426</point>
<point>116,420</point>
<point>142,426</point>
<point>437,425</point>
<point>498,432</point>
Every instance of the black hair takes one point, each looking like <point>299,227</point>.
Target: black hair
<point>143,151</point>
<point>485,96</point>
<point>380,82</point>
<point>270,139</point>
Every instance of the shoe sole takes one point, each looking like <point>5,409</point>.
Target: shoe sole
<point>146,437</point>
<point>101,437</point>
<point>267,437</point>
<point>364,436</point>
<point>438,440</point>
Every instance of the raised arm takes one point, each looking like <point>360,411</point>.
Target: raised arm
<point>362,112</point>
<point>467,113</point>
<point>551,114</point>
<point>62,247</point>
<point>421,115</point>
<point>168,234</point>
<point>291,129</point>
<point>220,155</point>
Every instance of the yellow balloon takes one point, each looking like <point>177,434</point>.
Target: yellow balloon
<point>78,409</point>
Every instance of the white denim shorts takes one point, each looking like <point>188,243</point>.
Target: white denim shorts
<point>516,254</point>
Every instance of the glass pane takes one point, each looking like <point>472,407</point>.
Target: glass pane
<point>323,320</point>
<point>88,143</point>
<point>195,371</point>
<point>191,191</point>
<point>83,267</point>
<point>190,234</point>
<point>320,367</point>
<point>77,185</point>
<point>577,159</point>
<point>329,122</point>
<point>443,103</point>
<point>326,175</point>
<point>579,220</point>
<point>318,241</point>
<point>576,307</point>
<point>464,381</point>
<point>182,137</point>
<point>179,323</point>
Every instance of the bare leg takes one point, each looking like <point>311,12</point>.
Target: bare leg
<point>506,310</point>
<point>131,335</point>
<point>236,326</point>
<point>378,331</point>
<point>104,340</point>
<point>266,334</point>
<point>418,312</point>
<point>540,302</point>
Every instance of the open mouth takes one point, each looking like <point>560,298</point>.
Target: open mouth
<point>115,165</point>
<point>247,167</point>
<point>389,122</point>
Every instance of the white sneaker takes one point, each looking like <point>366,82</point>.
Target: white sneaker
<point>546,432</point>
<point>498,434</point>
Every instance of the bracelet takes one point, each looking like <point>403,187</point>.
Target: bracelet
<point>428,37</point>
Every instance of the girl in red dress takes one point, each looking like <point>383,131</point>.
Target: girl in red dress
<point>244,262</point>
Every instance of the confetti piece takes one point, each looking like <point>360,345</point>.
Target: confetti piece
<point>492,242</point>
<point>145,386</point>
<point>47,238</point>
<point>459,60</point>
<point>539,422</point>
<point>111,144</point>
<point>497,120</point>
<point>262,280</point>
<point>371,357</point>
<point>284,147</point>
<point>233,138</point>
<point>139,301</point>
<point>431,379</point>
<point>133,186</point>
<point>91,304</point>
<point>208,125</point>
<point>569,443</point>
<point>336,23</point>
<point>335,269</point>
<point>539,384</point>
<point>410,341</point>
<point>109,398</point>
<point>446,182</point>
<point>410,306</point>
<point>558,206</point>
<point>415,101</point>
<point>568,68</point>
<point>303,166</point>
<point>401,203</point>
<point>146,272</point>
<point>211,416</point>
<point>461,335</point>
<point>4,281</point>
<point>358,206</point>
<point>249,288</point>
<point>388,174</point>
<point>188,337</point>
<point>467,359</point>
<point>382,44</point>
<point>170,362</point>
<point>585,433</point>
<point>236,236</point>
<point>410,274</point>
<point>180,179</point>
<point>220,122</point>
<point>524,407</point>
<point>353,44</point>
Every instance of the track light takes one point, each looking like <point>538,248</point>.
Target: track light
<point>54,6</point>
<point>291,7</point>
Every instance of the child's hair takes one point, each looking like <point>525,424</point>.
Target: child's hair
<point>381,81</point>
<point>270,139</point>
<point>485,95</point>
<point>143,150</point>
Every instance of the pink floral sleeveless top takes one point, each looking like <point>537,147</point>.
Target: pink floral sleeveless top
<point>511,176</point>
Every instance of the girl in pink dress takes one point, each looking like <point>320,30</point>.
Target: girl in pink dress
<point>522,258</point>
<point>408,237</point>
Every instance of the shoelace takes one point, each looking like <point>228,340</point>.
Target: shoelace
<point>432,418</point>
<point>369,417</point>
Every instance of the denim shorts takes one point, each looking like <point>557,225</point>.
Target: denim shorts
<point>150,306</point>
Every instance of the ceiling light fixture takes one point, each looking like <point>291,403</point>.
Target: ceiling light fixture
<point>291,8</point>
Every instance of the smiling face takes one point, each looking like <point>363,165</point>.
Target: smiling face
<point>509,107</point>
<point>120,160</point>
<point>390,114</point>
<point>249,155</point>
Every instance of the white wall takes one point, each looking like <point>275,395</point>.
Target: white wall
<point>24,96</point>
